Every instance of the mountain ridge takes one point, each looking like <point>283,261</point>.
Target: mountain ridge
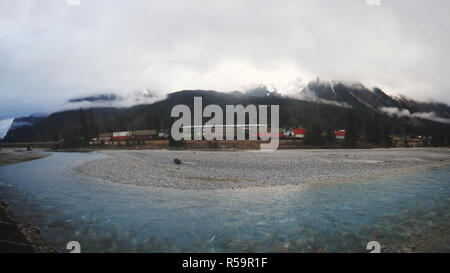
<point>406,115</point>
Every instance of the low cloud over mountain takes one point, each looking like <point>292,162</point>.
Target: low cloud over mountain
<point>112,100</point>
<point>394,111</point>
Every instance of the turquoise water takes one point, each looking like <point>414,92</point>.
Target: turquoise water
<point>409,211</point>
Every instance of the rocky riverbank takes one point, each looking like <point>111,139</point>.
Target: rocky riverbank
<point>18,236</point>
<point>11,156</point>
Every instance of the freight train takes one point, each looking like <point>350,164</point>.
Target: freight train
<point>142,136</point>
<point>126,137</point>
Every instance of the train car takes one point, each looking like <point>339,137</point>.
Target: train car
<point>247,131</point>
<point>280,134</point>
<point>145,134</point>
<point>122,136</point>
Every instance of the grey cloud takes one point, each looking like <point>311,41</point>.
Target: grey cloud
<point>52,52</point>
<point>112,100</point>
<point>394,111</point>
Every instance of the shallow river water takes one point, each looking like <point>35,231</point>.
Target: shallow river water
<point>403,213</point>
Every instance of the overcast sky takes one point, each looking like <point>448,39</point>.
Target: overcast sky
<point>51,51</point>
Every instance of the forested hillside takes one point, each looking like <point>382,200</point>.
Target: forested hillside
<point>357,109</point>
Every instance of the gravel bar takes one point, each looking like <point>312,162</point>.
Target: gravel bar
<point>208,170</point>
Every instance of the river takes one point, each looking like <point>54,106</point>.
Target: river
<point>403,213</point>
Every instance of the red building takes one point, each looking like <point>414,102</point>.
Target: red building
<point>300,133</point>
<point>340,134</point>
